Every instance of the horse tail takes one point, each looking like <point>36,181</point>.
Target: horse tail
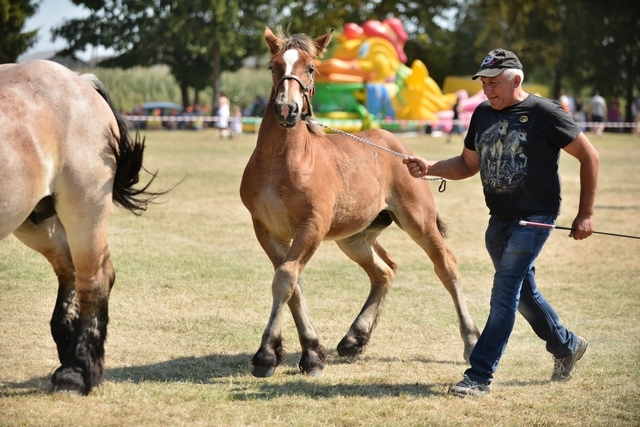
<point>443,226</point>
<point>128,153</point>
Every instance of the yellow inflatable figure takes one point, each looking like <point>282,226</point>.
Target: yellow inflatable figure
<point>374,53</point>
<point>371,53</point>
<point>421,95</point>
<point>371,60</point>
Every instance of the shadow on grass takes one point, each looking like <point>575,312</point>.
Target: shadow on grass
<point>185,369</point>
<point>308,388</point>
<point>228,370</point>
<point>31,387</point>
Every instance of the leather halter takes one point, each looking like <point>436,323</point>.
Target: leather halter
<point>307,92</point>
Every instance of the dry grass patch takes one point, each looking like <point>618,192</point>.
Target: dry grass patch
<point>192,297</point>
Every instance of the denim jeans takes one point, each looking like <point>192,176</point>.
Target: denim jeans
<point>513,249</point>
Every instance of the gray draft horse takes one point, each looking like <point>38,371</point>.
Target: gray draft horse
<point>67,155</point>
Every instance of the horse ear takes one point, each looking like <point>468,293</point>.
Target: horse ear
<point>272,40</point>
<point>322,42</point>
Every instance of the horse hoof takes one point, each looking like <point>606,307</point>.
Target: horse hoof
<point>263,371</point>
<point>65,388</point>
<point>349,349</point>
<point>68,380</point>
<point>314,372</point>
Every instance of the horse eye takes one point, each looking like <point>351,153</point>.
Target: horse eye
<point>312,70</point>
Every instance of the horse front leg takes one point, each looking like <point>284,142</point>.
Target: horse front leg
<point>289,262</point>
<point>271,352</point>
<point>314,355</point>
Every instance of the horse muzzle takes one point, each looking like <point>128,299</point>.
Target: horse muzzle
<point>288,113</point>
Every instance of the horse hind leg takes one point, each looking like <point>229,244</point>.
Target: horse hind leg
<point>446,268</point>
<point>82,367</point>
<point>381,269</point>
<point>44,233</point>
<point>85,225</point>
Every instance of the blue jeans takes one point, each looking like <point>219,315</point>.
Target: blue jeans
<point>513,249</point>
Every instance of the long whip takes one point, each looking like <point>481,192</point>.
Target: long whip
<point>541,225</point>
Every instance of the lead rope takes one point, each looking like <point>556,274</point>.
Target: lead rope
<point>443,182</point>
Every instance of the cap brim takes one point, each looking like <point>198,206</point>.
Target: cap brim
<point>488,72</point>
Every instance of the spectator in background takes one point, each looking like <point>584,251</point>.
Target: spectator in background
<point>614,114</point>
<point>597,112</point>
<point>236,122</point>
<point>258,106</point>
<point>578,113</point>
<point>456,126</point>
<point>137,111</point>
<point>635,113</point>
<point>188,122</point>
<point>564,102</point>
<point>572,103</point>
<point>223,113</point>
<point>172,123</point>
<point>198,114</point>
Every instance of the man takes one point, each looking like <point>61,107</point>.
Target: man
<point>514,141</point>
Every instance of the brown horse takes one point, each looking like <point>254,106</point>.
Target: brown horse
<point>66,156</point>
<point>302,187</point>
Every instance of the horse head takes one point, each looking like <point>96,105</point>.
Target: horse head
<point>293,68</point>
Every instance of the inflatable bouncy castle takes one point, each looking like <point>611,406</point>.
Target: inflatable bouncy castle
<point>365,83</point>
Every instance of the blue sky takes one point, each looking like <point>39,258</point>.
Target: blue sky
<point>52,13</point>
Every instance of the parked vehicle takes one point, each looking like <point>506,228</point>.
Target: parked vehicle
<point>160,109</point>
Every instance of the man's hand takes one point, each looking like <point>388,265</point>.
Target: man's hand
<point>583,227</point>
<point>417,166</point>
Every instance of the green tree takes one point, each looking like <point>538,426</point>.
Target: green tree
<point>13,15</point>
<point>607,56</point>
<point>197,39</point>
<point>577,45</point>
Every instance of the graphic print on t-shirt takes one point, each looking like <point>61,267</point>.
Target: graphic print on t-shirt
<point>503,165</point>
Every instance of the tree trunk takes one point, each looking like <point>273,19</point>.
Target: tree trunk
<point>184,90</point>
<point>216,72</point>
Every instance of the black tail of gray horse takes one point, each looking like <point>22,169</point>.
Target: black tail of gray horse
<point>128,153</point>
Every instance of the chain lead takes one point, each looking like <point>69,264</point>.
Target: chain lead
<point>443,182</point>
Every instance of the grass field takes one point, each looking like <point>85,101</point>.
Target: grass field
<point>192,297</point>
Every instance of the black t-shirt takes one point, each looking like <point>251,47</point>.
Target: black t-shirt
<point>518,150</point>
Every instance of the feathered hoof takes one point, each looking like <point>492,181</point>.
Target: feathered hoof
<point>68,380</point>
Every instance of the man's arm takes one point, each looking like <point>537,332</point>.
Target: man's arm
<point>582,149</point>
<point>460,167</point>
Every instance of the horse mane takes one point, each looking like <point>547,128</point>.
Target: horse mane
<point>299,41</point>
